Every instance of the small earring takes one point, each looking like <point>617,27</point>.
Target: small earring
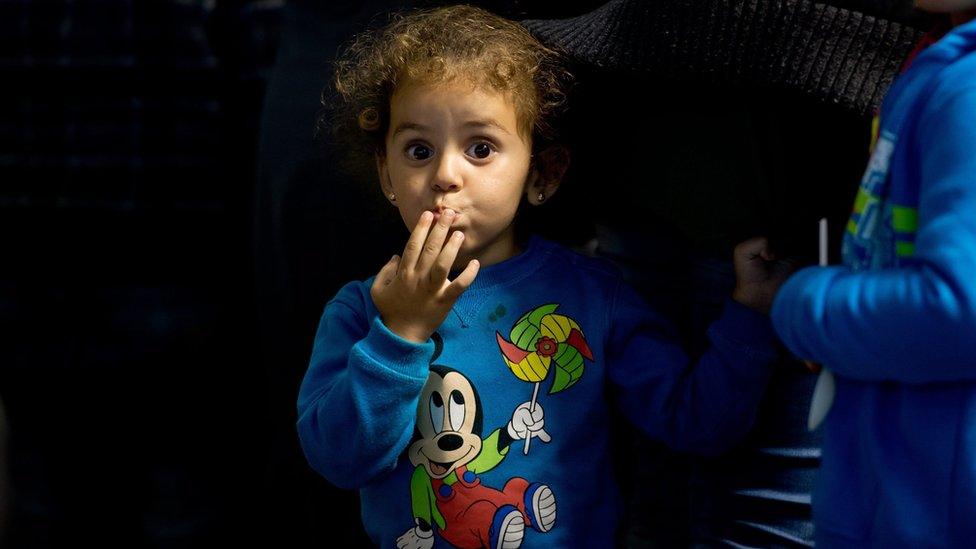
<point>392,197</point>
<point>541,197</point>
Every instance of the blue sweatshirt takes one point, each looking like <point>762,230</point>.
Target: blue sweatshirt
<point>433,434</point>
<point>897,323</point>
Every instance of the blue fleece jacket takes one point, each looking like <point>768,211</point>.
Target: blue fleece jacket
<point>897,323</point>
<point>433,434</point>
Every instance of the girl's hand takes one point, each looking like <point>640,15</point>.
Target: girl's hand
<point>413,294</point>
<point>758,275</point>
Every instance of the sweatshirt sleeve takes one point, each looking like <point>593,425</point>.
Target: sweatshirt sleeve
<point>915,323</point>
<point>358,401</point>
<point>704,406</point>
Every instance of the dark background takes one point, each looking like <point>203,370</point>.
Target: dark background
<point>170,231</point>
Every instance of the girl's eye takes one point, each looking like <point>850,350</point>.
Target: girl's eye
<point>480,150</point>
<point>419,152</point>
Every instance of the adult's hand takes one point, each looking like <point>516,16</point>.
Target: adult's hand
<point>758,274</point>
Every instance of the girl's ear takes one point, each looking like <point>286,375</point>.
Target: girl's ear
<point>384,175</point>
<point>547,173</point>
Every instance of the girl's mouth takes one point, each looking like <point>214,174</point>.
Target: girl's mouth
<point>437,215</point>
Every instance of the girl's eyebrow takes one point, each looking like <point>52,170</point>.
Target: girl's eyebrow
<point>404,126</point>
<point>477,123</point>
<point>485,123</point>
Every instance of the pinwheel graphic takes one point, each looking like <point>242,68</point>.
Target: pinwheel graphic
<point>539,339</point>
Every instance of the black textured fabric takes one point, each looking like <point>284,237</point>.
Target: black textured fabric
<point>835,54</point>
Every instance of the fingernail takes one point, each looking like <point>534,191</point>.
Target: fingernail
<point>395,258</point>
<point>426,215</point>
<point>449,212</point>
<point>459,235</point>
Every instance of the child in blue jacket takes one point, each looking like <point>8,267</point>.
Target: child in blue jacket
<point>465,390</point>
<point>897,323</point>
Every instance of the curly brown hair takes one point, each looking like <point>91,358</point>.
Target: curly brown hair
<point>440,45</point>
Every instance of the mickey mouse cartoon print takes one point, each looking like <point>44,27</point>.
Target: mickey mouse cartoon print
<point>448,453</point>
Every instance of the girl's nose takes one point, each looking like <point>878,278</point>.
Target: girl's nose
<point>447,177</point>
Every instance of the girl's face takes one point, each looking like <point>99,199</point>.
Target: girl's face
<point>455,146</point>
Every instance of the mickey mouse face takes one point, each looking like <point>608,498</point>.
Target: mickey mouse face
<point>447,420</point>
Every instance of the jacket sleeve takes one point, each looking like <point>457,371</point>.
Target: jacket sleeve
<point>358,401</point>
<point>701,407</point>
<point>915,323</point>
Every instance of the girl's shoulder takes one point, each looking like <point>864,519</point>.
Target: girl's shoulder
<point>354,295</point>
<point>581,260</point>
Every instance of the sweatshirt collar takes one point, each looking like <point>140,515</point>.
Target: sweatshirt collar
<point>513,269</point>
<point>500,275</point>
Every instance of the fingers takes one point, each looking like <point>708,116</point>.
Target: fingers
<point>463,280</point>
<point>542,435</point>
<point>411,252</point>
<point>435,242</point>
<point>384,277</point>
<point>386,274</point>
<point>441,267</point>
<point>755,246</point>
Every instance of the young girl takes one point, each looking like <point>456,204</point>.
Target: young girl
<point>465,389</point>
